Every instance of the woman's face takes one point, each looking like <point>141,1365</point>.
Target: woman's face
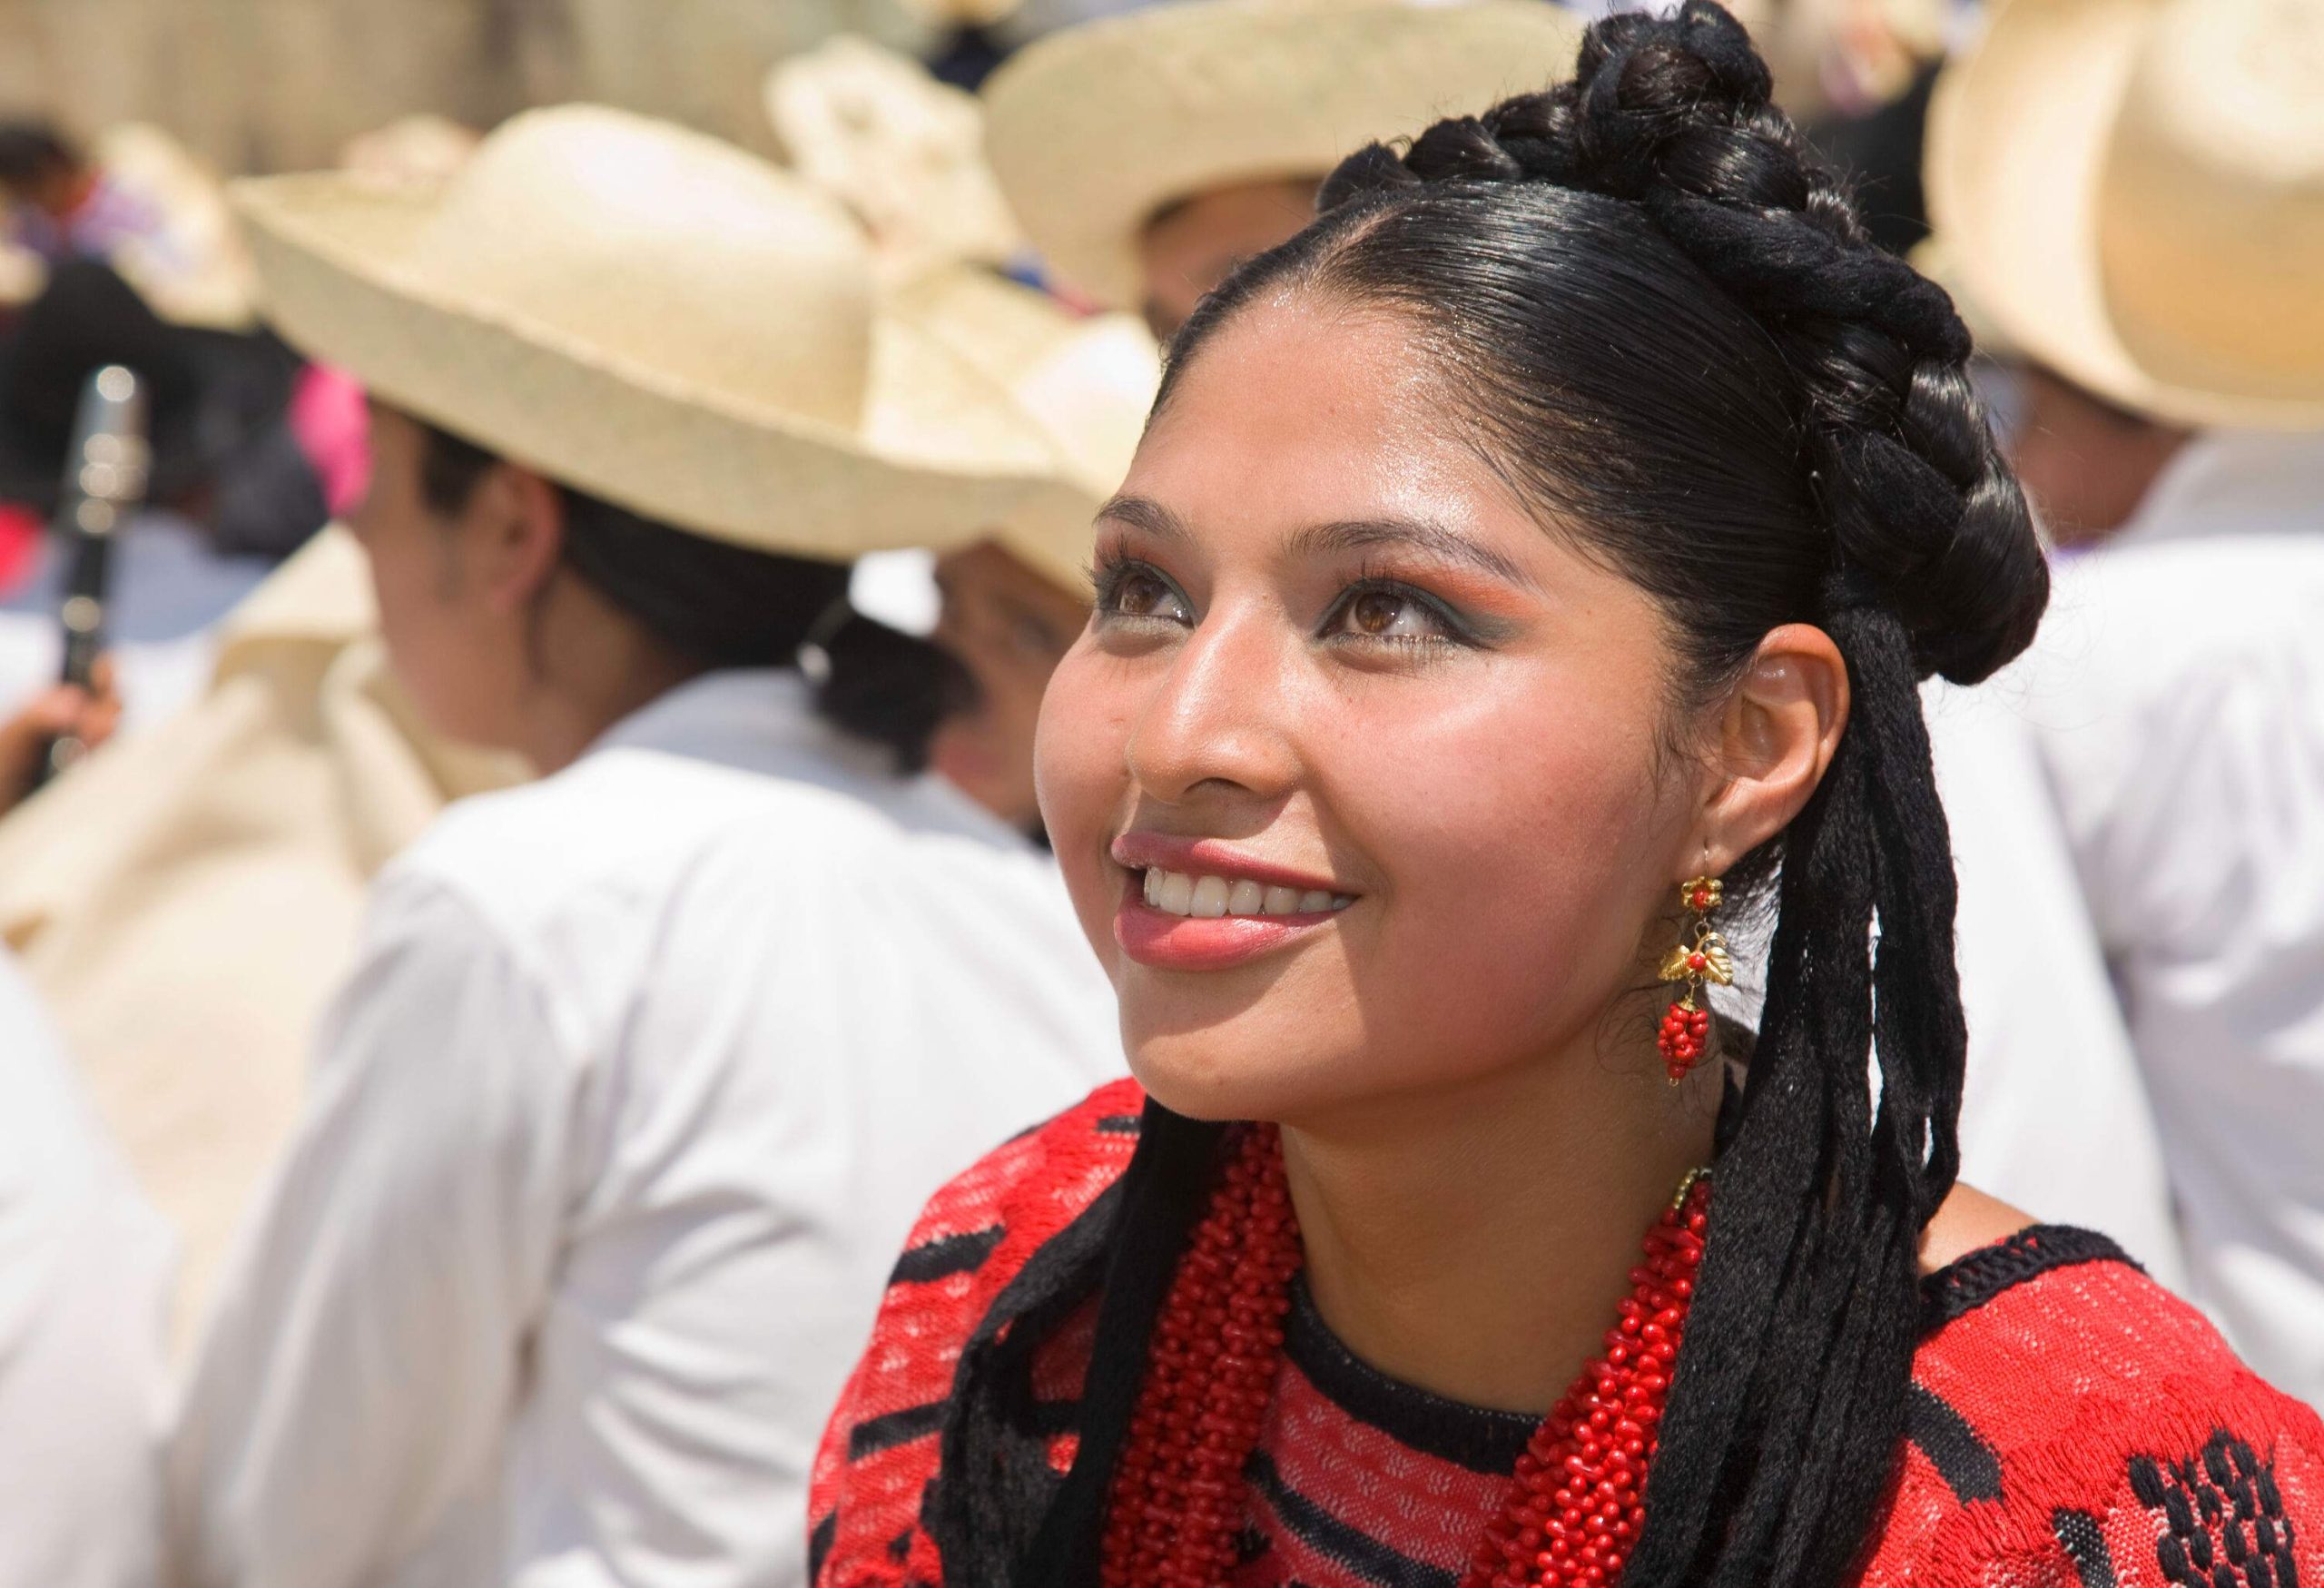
<point>1009,626</point>
<point>1339,677</point>
<point>458,657</point>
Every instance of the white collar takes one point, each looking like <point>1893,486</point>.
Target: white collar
<point>738,716</point>
<point>2239,482</point>
<point>763,720</point>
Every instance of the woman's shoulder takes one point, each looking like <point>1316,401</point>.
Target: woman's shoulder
<point>2070,1420</point>
<point>1003,1209</point>
<point>976,1236</point>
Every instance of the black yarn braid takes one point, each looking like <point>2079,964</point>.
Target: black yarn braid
<point>1860,490</point>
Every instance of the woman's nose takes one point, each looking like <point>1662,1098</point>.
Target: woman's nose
<point>1217,719</point>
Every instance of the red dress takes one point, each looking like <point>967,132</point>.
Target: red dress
<point>2070,1423</point>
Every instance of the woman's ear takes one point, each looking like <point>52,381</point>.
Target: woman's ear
<point>1776,734</point>
<point>517,521</point>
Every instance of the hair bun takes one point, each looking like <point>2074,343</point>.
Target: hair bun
<point>1646,83</point>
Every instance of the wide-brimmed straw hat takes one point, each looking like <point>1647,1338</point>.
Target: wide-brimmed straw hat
<point>657,319</point>
<point>2134,189</point>
<point>904,153</point>
<point>1095,129</point>
<point>1086,382</point>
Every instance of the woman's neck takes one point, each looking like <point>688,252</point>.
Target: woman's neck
<point>591,666</point>
<point>1476,1244</point>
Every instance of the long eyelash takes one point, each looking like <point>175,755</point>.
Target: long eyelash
<point>1106,570</point>
<point>1108,573</point>
<point>1370,580</point>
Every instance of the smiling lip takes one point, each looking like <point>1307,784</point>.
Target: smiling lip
<point>1201,857</point>
<point>1172,939</point>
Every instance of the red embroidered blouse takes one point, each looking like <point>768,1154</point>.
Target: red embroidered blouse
<point>2070,1423</point>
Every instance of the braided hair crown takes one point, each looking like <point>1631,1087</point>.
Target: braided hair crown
<point>1675,117</point>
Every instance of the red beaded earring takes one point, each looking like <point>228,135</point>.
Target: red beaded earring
<point>1686,1028</point>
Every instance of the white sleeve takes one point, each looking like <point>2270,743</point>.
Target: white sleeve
<point>2190,773</point>
<point>2054,1118</point>
<point>347,1399</point>
<point>84,1268</point>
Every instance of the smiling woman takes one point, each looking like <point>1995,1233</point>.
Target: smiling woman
<point>1535,559</point>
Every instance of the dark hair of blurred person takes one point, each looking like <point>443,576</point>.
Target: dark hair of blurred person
<point>39,167</point>
<point>222,453</point>
<point>704,604</point>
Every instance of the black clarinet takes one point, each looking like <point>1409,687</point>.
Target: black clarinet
<point>105,482</point>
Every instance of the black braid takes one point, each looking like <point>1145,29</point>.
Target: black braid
<point>1664,321</point>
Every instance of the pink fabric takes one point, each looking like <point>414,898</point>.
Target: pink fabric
<point>333,428</point>
<point>20,532</point>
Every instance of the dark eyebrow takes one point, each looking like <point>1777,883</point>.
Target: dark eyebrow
<point>1431,539</point>
<point>1141,513</point>
<point>1414,534</point>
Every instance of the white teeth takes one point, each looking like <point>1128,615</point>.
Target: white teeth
<point>1179,893</point>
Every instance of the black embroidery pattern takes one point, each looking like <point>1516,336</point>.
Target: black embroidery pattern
<point>1964,1285</point>
<point>2224,1516</point>
<point>2085,1542</point>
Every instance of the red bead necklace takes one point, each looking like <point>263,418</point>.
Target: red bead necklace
<point>1576,1504</point>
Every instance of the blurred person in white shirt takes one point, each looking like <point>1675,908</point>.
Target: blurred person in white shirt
<point>84,1268</point>
<point>644,1067</point>
<point>2131,191</point>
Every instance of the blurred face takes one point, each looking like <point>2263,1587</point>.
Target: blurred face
<point>1009,626</point>
<point>452,645</point>
<point>1193,245</point>
<point>1358,777</point>
<point>2085,464</point>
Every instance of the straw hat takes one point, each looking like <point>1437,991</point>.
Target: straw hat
<point>1094,129</point>
<point>904,153</point>
<point>2134,191</point>
<point>658,319</point>
<point>1088,383</point>
<point>422,148</point>
<point>197,271</point>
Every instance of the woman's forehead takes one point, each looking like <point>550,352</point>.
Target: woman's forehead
<point>1294,415</point>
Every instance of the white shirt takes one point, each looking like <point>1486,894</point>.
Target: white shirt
<point>2178,696</point>
<point>643,1075</point>
<point>84,1272</point>
<point>2055,1119</point>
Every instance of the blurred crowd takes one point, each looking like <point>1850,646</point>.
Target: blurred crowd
<point>549,879</point>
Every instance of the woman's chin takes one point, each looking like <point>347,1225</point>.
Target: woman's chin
<point>1204,1080</point>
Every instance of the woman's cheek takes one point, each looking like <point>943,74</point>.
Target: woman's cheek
<point>1080,774</point>
<point>1510,854</point>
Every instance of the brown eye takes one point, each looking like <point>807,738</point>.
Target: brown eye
<point>1388,614</point>
<point>1375,612</point>
<point>1139,594</point>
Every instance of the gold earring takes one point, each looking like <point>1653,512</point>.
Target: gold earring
<point>1685,1034</point>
